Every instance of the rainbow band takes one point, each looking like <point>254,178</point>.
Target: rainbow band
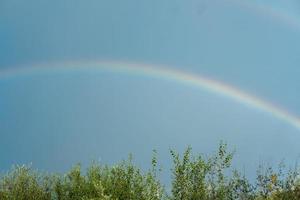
<point>260,8</point>
<point>165,73</point>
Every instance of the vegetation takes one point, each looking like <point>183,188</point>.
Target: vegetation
<point>193,178</point>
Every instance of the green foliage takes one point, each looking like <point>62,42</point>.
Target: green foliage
<point>193,178</point>
<point>196,178</point>
<point>22,183</point>
<point>78,187</point>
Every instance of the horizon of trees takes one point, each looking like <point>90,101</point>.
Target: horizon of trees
<point>194,177</point>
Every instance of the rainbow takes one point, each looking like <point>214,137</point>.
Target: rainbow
<point>165,73</point>
<point>271,12</point>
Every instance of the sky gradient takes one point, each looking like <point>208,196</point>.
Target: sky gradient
<point>58,117</point>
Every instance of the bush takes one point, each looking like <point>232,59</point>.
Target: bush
<point>193,178</point>
<point>22,183</point>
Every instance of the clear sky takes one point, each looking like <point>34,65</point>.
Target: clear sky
<point>57,119</point>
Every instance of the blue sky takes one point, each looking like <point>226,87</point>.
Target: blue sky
<point>187,34</point>
<point>66,117</point>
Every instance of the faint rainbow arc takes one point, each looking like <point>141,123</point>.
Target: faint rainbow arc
<point>266,10</point>
<point>165,73</point>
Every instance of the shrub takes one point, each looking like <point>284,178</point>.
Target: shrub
<point>22,183</point>
<point>193,178</point>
